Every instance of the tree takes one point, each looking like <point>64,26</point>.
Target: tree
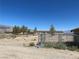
<point>23,29</point>
<point>35,30</point>
<point>28,31</point>
<point>16,30</point>
<point>52,30</point>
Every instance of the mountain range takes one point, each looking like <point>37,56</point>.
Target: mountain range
<point>4,28</point>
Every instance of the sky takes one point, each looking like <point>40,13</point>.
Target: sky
<point>62,14</point>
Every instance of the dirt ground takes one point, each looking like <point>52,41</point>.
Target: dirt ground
<point>14,49</point>
<point>16,52</point>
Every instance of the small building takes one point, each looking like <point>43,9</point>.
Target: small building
<point>76,34</point>
<point>75,31</point>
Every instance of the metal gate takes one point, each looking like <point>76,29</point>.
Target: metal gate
<point>42,37</point>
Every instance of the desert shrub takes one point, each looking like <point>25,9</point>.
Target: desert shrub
<point>72,48</point>
<point>13,36</point>
<point>31,44</point>
<point>24,45</point>
<point>77,50</point>
<point>48,45</point>
<point>55,45</point>
<point>61,46</point>
<point>34,40</point>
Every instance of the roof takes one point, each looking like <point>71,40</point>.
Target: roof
<point>74,29</point>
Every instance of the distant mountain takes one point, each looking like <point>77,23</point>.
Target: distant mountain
<point>4,28</point>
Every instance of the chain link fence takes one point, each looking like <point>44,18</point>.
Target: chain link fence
<point>69,39</point>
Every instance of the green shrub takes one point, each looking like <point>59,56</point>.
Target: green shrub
<point>55,45</point>
<point>32,44</point>
<point>61,46</point>
<point>72,48</point>
<point>48,45</point>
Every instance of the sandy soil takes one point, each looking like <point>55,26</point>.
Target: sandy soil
<point>19,41</point>
<point>15,52</point>
<point>14,49</point>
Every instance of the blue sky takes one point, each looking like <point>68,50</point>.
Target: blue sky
<point>63,14</point>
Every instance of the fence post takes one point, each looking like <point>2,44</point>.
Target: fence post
<point>60,38</point>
